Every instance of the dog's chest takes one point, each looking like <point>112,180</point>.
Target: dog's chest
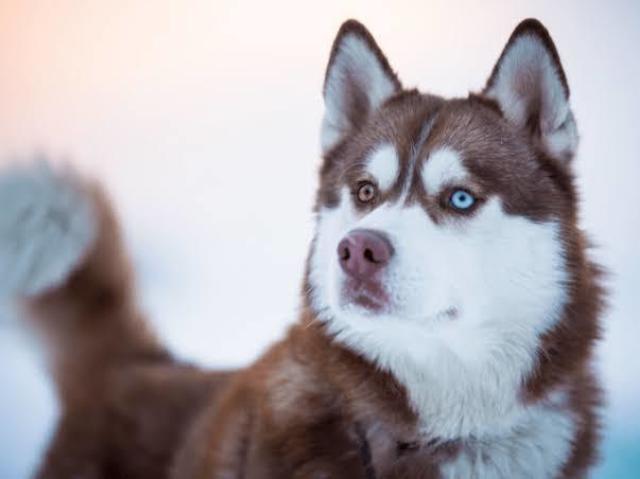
<point>535,447</point>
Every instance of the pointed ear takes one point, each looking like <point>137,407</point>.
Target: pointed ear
<point>530,86</point>
<point>358,80</point>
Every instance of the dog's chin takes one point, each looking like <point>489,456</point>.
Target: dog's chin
<point>374,300</point>
<point>369,297</point>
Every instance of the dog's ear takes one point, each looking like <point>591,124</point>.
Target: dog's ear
<point>530,86</point>
<point>358,80</point>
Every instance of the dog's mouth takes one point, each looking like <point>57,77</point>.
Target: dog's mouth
<point>370,295</point>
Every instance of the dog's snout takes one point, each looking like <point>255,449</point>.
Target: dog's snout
<point>362,253</point>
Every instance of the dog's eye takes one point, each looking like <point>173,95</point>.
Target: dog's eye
<point>366,192</point>
<point>461,200</point>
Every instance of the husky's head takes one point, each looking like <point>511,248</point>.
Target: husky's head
<point>442,225</point>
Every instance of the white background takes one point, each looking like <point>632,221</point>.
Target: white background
<point>202,119</point>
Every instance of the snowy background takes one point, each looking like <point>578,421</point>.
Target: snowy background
<point>202,119</point>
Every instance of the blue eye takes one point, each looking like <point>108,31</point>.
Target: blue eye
<point>462,200</point>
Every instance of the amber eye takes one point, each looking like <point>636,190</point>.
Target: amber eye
<point>366,192</point>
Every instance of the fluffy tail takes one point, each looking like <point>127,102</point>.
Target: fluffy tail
<point>62,256</point>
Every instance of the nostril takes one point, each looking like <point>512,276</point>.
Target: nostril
<point>344,251</point>
<point>368,255</point>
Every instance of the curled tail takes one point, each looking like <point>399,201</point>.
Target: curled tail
<point>62,256</point>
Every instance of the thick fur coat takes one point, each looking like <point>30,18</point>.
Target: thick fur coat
<point>449,307</point>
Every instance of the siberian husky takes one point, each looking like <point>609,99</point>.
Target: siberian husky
<point>449,308</point>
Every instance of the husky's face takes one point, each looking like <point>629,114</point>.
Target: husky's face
<point>441,223</point>
<point>435,215</point>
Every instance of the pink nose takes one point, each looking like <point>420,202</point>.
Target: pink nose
<point>363,253</point>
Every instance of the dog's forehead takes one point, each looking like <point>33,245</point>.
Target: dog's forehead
<point>401,123</point>
<point>477,133</point>
<point>418,125</point>
<point>450,136</point>
<point>468,143</point>
<point>421,138</point>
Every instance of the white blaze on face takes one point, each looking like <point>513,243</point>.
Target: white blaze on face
<point>442,168</point>
<point>383,165</point>
<point>503,275</point>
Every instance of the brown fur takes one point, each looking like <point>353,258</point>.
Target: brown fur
<point>308,407</point>
<point>125,404</point>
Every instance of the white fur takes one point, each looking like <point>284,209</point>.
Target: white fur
<point>443,168</point>
<point>354,68</point>
<point>527,80</point>
<point>46,226</point>
<point>469,301</point>
<point>536,448</point>
<point>383,165</point>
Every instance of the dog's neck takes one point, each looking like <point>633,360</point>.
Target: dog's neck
<point>460,382</point>
<point>479,419</point>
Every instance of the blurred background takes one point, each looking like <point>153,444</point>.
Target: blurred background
<point>202,120</point>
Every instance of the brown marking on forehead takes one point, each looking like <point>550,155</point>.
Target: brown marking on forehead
<point>400,123</point>
<point>500,160</point>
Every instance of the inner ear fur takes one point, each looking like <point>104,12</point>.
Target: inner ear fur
<point>358,80</point>
<point>530,86</point>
